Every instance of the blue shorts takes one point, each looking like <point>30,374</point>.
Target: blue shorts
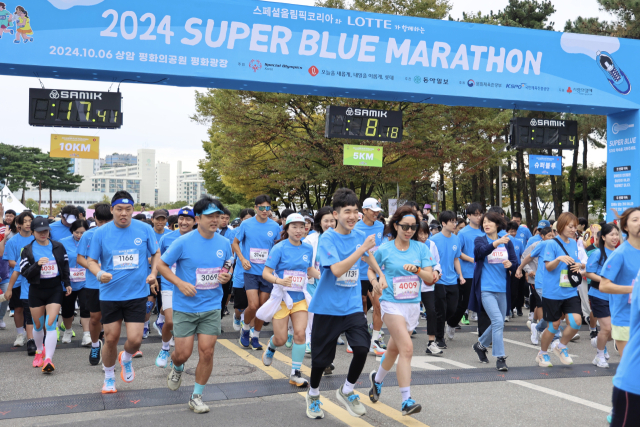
<point>257,283</point>
<point>599,307</point>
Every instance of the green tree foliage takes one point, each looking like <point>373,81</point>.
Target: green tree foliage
<point>434,9</point>
<point>31,204</point>
<point>518,13</point>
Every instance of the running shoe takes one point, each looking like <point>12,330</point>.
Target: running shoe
<point>370,328</point>
<point>376,349</point>
<point>506,318</point>
<point>145,333</point>
<point>266,323</point>
<point>66,336</point>
<point>615,346</point>
<point>255,344</point>
<point>529,323</point>
<point>11,313</point>
<point>563,355</point>
<point>530,317</point>
<point>31,347</point>
<point>340,341</point>
<point>433,349</point>
<point>237,325</point>
<point>519,312</point>
<point>313,407</point>
<point>600,362</point>
<point>172,342</point>
<point>351,403</point>
<point>267,356</point>
<point>544,361</point>
<point>451,332</point>
<point>410,407</point>
<point>86,340</point>
<point>95,355</point>
<point>576,337</point>
<point>329,369</point>
<point>606,354</point>
<point>610,416</point>
<point>58,332</point>
<point>21,339</point>
<point>441,344</point>
<point>158,327</point>
<point>289,342</point>
<point>37,359</point>
<point>465,319</point>
<point>3,325</point>
<point>307,348</point>
<point>48,367</point>
<point>226,311</point>
<point>423,315</point>
<point>501,364</point>
<point>162,359</point>
<point>137,355</point>
<point>376,388</point>
<point>381,342</point>
<point>197,405</point>
<point>109,386</point>
<point>127,373</point>
<point>349,350</point>
<point>534,334</point>
<point>593,335</point>
<point>414,332</point>
<point>245,339</point>
<point>297,380</point>
<point>174,379</point>
<point>481,351</point>
<point>473,317</point>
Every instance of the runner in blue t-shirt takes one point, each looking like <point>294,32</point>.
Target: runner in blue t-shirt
<point>257,236</point>
<point>60,229</point>
<point>337,303</point>
<point>240,302</point>
<point>186,220</point>
<point>118,258</point>
<point>523,232</point>
<point>159,220</point>
<point>203,259</point>
<point>102,215</point>
<point>406,262</point>
<point>519,286</point>
<point>289,265</point>
<point>467,237</point>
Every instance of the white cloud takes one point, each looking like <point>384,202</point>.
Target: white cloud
<point>68,4</point>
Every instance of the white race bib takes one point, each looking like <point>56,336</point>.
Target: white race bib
<point>125,259</point>
<point>258,256</point>
<point>349,279</point>
<point>78,274</point>
<point>49,270</point>
<point>173,268</point>
<point>406,287</point>
<point>298,280</point>
<point>498,255</point>
<point>207,278</point>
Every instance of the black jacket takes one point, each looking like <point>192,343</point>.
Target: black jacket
<point>30,269</point>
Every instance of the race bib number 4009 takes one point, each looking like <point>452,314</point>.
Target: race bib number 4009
<point>406,287</point>
<point>207,278</point>
<point>126,259</point>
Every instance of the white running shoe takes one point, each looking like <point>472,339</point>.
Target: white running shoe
<point>66,336</point>
<point>600,362</point>
<point>3,325</point>
<point>529,323</point>
<point>473,317</point>
<point>172,342</point>
<point>376,349</point>
<point>506,318</point>
<point>340,341</point>
<point>576,337</point>
<point>433,349</point>
<point>20,340</point>
<point>197,405</point>
<point>534,334</point>
<point>531,317</point>
<point>451,332</point>
<point>86,339</point>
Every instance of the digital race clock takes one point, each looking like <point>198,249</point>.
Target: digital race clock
<point>363,123</point>
<point>75,108</point>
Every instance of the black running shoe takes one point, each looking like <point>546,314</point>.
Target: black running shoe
<point>410,407</point>
<point>481,351</point>
<point>593,334</point>
<point>329,369</point>
<point>501,364</point>
<point>376,388</point>
<point>31,347</point>
<point>95,355</point>
<point>441,344</point>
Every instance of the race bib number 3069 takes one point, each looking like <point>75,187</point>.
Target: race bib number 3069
<point>207,278</point>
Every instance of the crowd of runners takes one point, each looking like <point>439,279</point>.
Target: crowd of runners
<point>315,277</point>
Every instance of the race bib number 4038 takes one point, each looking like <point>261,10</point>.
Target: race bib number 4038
<point>49,270</point>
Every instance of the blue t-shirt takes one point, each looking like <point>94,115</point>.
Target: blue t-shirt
<point>198,261</point>
<point>628,371</point>
<point>524,234</point>
<point>594,266</point>
<point>532,240</point>
<point>494,276</point>
<point>231,234</point>
<point>158,237</point>
<point>164,243</point>
<point>12,252</point>
<point>338,296</point>
<point>286,257</point>
<point>71,246</point>
<point>257,240</point>
<point>376,229</point>
<point>403,286</point>
<point>552,288</point>
<point>123,252</point>
<point>518,246</point>
<point>59,231</point>
<point>83,249</point>
<point>621,268</point>
<point>449,250</point>
<point>538,252</point>
<point>467,237</point>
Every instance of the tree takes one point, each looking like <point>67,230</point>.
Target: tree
<point>105,199</point>
<point>18,166</point>
<point>32,205</point>
<point>518,13</point>
<point>54,174</point>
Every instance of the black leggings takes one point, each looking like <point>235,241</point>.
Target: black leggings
<point>429,302</point>
<point>446,305</point>
<point>463,302</point>
<point>355,369</point>
<point>626,408</point>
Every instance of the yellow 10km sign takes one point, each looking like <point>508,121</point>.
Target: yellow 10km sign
<point>75,146</point>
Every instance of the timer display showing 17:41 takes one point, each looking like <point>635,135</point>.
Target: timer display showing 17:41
<point>362,123</point>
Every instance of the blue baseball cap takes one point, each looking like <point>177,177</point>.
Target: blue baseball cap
<point>186,212</point>
<point>211,209</point>
<point>544,223</point>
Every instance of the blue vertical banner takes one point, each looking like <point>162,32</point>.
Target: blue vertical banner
<point>545,165</point>
<point>623,162</point>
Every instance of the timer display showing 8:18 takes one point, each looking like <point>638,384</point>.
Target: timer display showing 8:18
<point>360,123</point>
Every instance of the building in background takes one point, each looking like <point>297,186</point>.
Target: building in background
<point>76,198</point>
<point>117,160</point>
<point>189,186</point>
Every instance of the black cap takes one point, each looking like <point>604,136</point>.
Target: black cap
<point>40,224</point>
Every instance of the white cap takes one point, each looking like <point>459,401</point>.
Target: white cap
<point>295,217</point>
<point>372,204</point>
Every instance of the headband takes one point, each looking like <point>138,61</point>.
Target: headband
<point>122,202</point>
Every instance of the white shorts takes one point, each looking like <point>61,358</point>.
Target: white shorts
<point>167,300</point>
<point>410,312</point>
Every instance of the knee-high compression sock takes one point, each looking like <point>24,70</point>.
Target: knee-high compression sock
<point>51,339</point>
<point>38,334</point>
<point>297,356</point>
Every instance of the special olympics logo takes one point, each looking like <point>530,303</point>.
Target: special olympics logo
<point>270,234</point>
<point>255,65</point>
<point>471,83</point>
<point>454,247</point>
<point>220,253</point>
<point>305,258</point>
<point>349,111</point>
<point>620,127</point>
<point>138,241</point>
<point>534,122</point>
<point>379,235</point>
<point>54,94</point>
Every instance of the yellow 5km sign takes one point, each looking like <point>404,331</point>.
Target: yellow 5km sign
<point>75,147</point>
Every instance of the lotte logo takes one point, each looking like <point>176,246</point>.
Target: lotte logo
<point>314,71</point>
<point>255,65</point>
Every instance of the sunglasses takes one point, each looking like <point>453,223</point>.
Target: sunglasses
<point>406,227</point>
<point>264,208</point>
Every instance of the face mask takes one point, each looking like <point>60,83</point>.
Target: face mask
<point>70,218</point>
